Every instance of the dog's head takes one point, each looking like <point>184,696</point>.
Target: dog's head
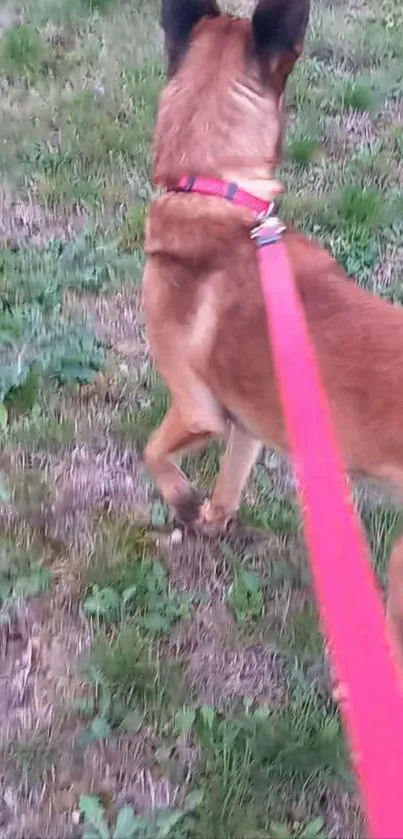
<point>221,112</point>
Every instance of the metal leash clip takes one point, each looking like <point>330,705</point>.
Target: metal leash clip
<point>269,228</point>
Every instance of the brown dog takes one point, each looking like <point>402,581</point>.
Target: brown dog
<point>221,116</point>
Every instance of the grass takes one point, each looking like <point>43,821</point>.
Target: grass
<point>153,687</point>
<point>258,756</point>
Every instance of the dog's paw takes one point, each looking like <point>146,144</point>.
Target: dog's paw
<point>199,516</point>
<point>187,510</point>
<point>212,520</point>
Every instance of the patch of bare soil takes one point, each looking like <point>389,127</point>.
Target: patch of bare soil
<point>350,129</point>
<point>89,480</point>
<point>44,769</point>
<point>38,645</point>
<point>220,667</point>
<point>117,321</point>
<point>61,494</point>
<point>24,223</point>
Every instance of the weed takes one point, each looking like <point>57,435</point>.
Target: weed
<point>38,341</point>
<point>29,760</point>
<point>245,596</point>
<point>275,514</point>
<point>146,599</point>
<point>21,573</point>
<point>301,149</point>
<point>360,208</point>
<point>301,636</point>
<point>21,399</point>
<point>129,584</point>
<point>131,235</point>
<point>130,674</point>
<point>138,423</point>
<point>250,756</point>
<point>131,826</point>
<point>23,50</point>
<point>382,523</point>
<point>357,96</point>
<point>357,251</point>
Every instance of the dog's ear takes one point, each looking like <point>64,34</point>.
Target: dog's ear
<point>278,28</point>
<point>178,18</point>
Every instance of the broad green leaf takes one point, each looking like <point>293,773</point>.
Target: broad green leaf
<point>91,808</point>
<point>251,581</point>
<point>156,622</point>
<point>159,515</point>
<point>184,720</point>
<point>127,824</point>
<point>193,800</point>
<point>93,812</point>
<point>100,728</point>
<point>103,602</point>
<point>313,830</point>
<point>208,715</point>
<point>246,595</point>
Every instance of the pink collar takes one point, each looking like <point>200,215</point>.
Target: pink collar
<point>225,189</point>
<point>268,229</point>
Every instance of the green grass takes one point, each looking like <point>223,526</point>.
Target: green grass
<point>130,676</point>
<point>28,760</point>
<point>39,342</point>
<point>189,678</point>
<point>302,149</point>
<point>21,574</point>
<point>258,755</point>
<point>23,51</point>
<point>356,96</point>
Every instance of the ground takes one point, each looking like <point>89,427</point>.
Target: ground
<point>152,684</point>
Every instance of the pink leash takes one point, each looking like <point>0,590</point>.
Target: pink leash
<point>349,601</point>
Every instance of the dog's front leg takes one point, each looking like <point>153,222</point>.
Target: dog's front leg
<point>235,467</point>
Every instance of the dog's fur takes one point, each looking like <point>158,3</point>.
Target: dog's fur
<point>221,115</point>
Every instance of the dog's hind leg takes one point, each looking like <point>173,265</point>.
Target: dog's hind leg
<point>235,467</point>
<point>179,433</point>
